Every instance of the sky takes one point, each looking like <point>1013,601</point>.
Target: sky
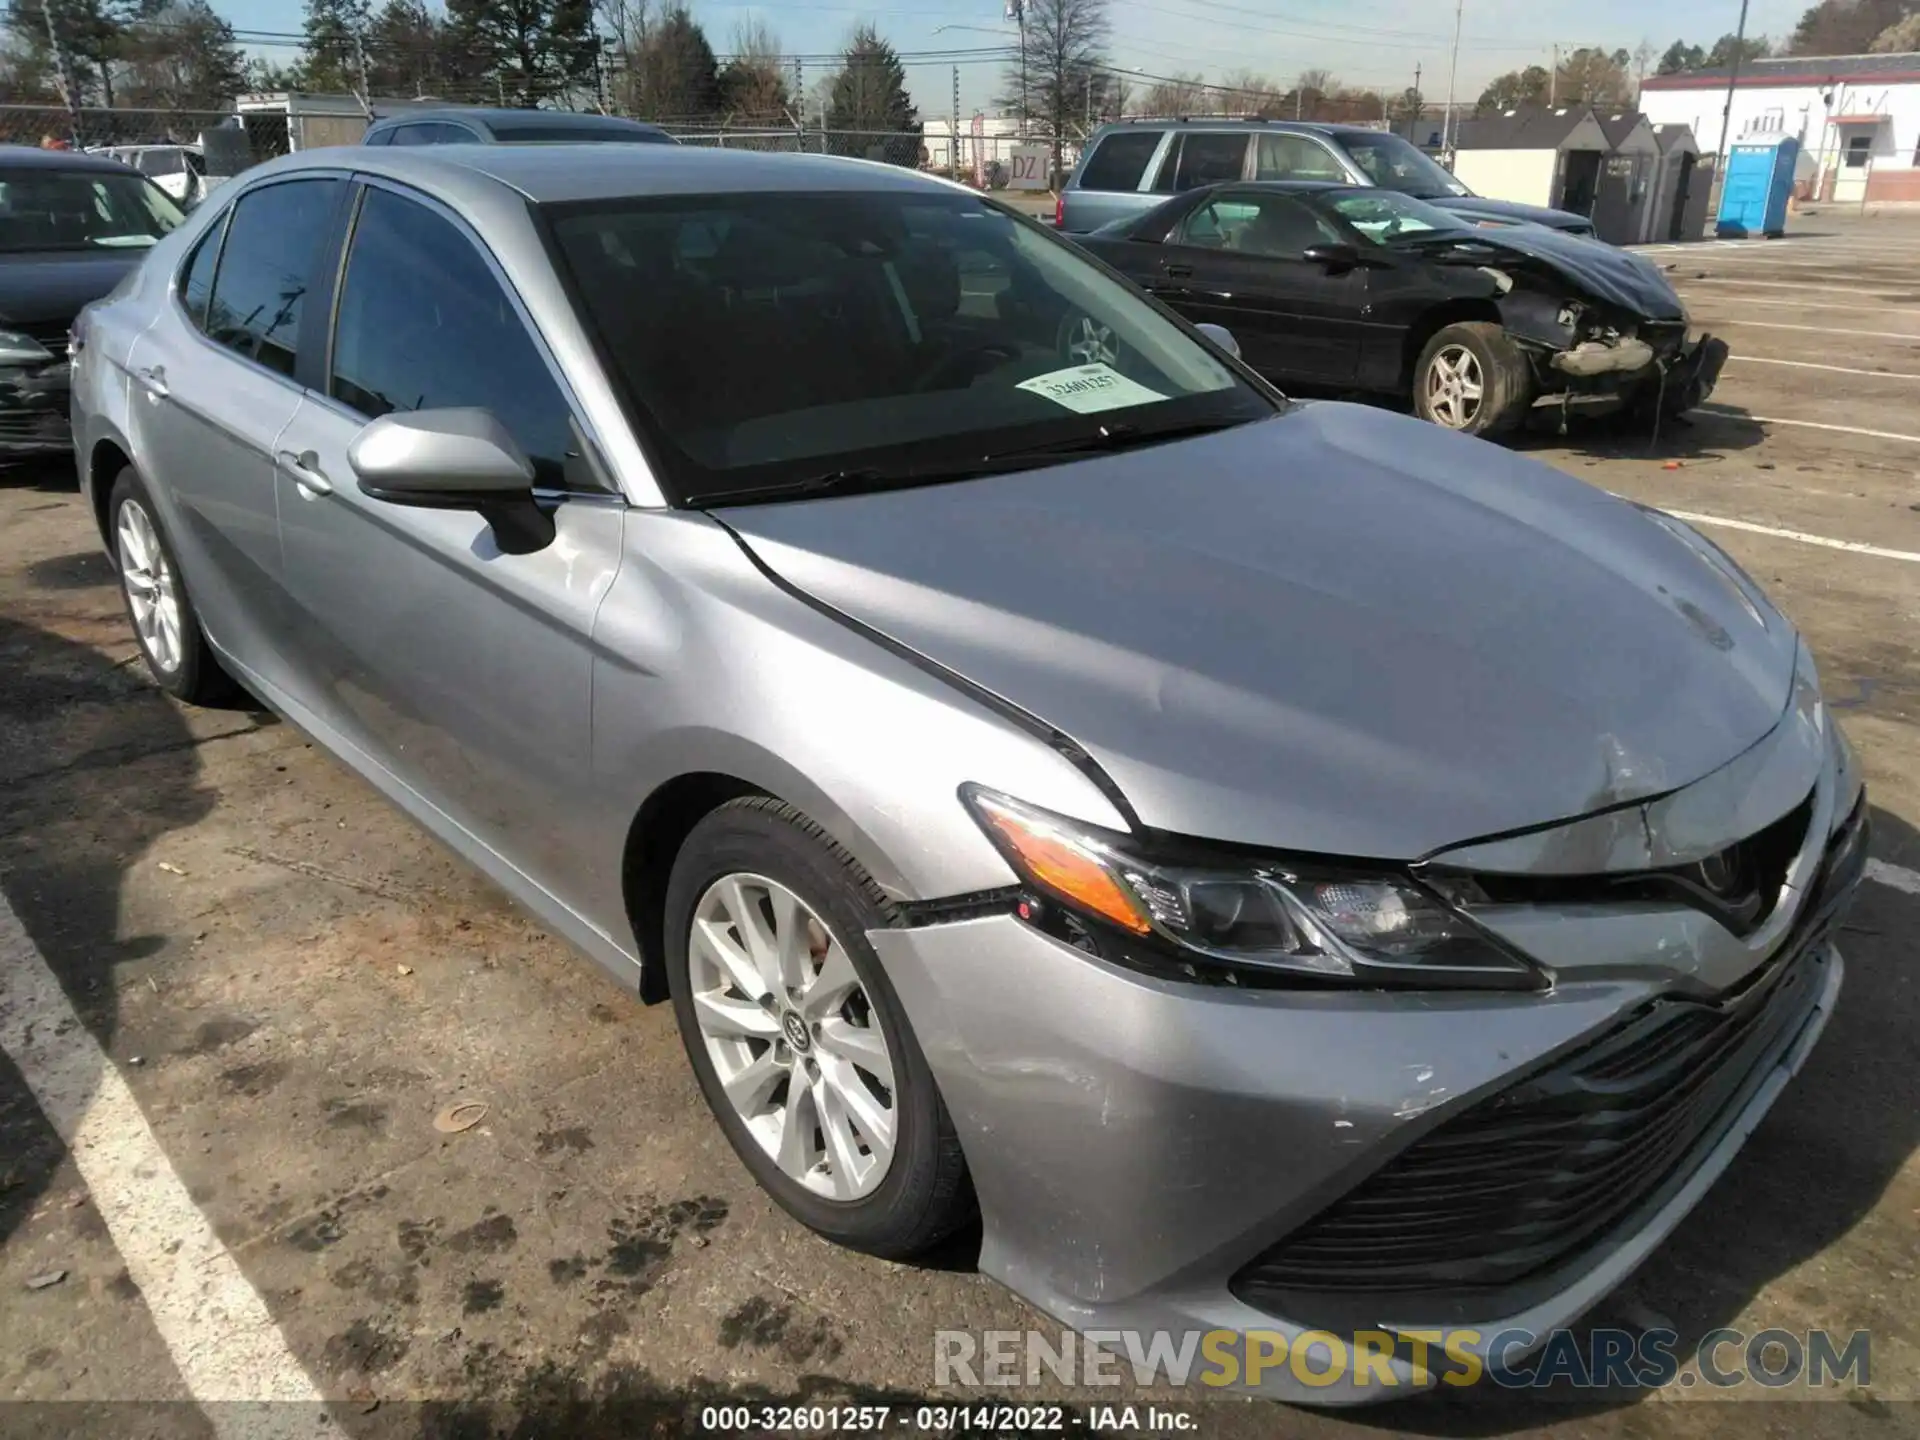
<point>1373,44</point>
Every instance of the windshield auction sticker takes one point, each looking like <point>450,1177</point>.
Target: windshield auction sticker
<point>1089,389</point>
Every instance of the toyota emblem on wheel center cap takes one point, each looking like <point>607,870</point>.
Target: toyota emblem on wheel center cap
<point>796,1032</point>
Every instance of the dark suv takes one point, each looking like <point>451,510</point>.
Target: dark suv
<point>1133,165</point>
<point>472,125</point>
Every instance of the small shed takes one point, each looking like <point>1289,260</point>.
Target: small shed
<point>1682,187</point>
<point>1623,200</point>
<point>1534,156</point>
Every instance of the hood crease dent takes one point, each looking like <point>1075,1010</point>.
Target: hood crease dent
<point>1339,631</point>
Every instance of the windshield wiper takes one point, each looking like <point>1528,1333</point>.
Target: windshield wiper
<point>867,479</point>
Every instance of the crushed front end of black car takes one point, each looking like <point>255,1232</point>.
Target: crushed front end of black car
<point>34,389</point>
<point>1601,328</point>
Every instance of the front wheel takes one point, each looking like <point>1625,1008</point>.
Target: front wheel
<point>1471,377</point>
<point>796,1037</point>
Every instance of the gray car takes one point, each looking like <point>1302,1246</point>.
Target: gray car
<point>479,125</point>
<point>1130,166</point>
<point>1288,867</point>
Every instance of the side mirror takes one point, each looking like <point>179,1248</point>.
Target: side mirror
<point>453,460</point>
<point>1337,258</point>
<point>1221,336</point>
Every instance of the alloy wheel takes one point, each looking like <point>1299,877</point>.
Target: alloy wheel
<point>153,594</point>
<point>795,1042</point>
<point>1091,343</point>
<point>1455,387</point>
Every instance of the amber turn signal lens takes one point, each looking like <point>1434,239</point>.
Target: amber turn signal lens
<point>1054,862</point>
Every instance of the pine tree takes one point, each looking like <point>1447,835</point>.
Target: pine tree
<point>331,58</point>
<point>679,79</point>
<point>526,51</point>
<point>870,91</point>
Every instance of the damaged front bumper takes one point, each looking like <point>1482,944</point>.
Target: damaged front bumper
<point>1656,374</point>
<point>1154,1157</point>
<point>34,404</point>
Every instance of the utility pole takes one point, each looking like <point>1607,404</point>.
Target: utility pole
<point>1733,84</point>
<point>953,143</point>
<point>69,87</point>
<point>1453,77</point>
<point>360,62</point>
<point>1553,80</point>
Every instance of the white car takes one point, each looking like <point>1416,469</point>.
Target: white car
<point>180,170</point>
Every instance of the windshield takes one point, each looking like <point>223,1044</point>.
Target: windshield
<point>1382,215</point>
<point>48,209</point>
<point>885,337</point>
<point>1393,164</point>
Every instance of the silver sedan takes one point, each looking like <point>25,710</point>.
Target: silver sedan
<point>1286,867</point>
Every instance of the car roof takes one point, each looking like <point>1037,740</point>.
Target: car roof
<point>27,156</point>
<point>522,119</point>
<point>1241,122</point>
<point>557,174</point>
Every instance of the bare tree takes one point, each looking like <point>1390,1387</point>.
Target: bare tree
<point>1183,95</point>
<point>1065,69</point>
<point>753,83</point>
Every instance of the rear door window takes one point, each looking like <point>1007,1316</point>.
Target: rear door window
<point>1120,161</point>
<point>1203,158</point>
<point>267,266</point>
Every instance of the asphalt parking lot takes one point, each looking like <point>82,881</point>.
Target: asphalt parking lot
<point>280,984</point>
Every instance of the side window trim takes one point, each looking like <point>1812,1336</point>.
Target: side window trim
<point>219,242</point>
<point>226,227</point>
<point>364,182</point>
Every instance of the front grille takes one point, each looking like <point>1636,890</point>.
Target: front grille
<point>1521,1185</point>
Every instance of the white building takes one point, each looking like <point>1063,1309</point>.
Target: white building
<point>1857,117</point>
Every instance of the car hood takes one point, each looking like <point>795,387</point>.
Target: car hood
<point>1512,210</point>
<point>49,286</point>
<point>1339,631</point>
<point>1602,271</point>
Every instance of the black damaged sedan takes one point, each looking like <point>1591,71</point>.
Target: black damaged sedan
<point>1350,289</point>
<point>72,226</point>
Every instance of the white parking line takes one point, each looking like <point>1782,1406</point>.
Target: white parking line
<point>1837,369</point>
<point>1736,414</point>
<point>1852,547</point>
<point>1791,285</point>
<point>1804,304</point>
<point>1826,330</point>
<point>1896,877</point>
<point>212,1321</point>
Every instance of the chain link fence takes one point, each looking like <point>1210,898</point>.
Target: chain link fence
<point>93,128</point>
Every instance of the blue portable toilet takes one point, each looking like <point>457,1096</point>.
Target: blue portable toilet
<point>1753,201</point>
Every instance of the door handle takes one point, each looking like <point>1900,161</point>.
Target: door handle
<point>306,472</point>
<point>1179,272</point>
<point>153,379</point>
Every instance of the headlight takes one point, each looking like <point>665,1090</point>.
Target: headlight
<point>1266,920</point>
<point>18,349</point>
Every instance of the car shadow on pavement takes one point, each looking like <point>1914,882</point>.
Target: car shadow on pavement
<point>52,473</point>
<point>1809,1177</point>
<point>68,834</point>
<point>1695,437</point>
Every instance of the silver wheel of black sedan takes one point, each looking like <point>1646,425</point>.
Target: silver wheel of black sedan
<point>792,1036</point>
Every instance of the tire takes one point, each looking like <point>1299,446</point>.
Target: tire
<point>1492,361</point>
<point>922,1193</point>
<point>155,595</point>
